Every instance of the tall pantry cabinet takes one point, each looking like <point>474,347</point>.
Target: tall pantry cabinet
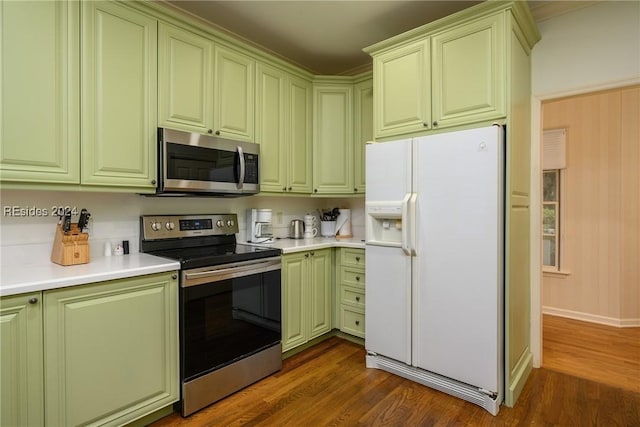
<point>472,69</point>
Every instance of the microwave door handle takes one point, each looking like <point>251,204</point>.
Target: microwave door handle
<point>242,167</point>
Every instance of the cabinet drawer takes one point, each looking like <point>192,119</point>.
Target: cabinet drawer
<point>353,297</point>
<point>352,257</point>
<point>352,277</point>
<point>352,322</point>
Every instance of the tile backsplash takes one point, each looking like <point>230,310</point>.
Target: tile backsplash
<point>27,223</point>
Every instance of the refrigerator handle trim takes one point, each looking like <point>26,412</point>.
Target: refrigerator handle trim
<point>406,243</point>
<point>412,220</point>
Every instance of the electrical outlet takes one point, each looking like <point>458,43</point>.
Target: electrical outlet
<point>278,218</point>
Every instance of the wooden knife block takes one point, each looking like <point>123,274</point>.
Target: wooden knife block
<point>70,248</point>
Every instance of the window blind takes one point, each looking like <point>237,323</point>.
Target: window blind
<point>554,149</point>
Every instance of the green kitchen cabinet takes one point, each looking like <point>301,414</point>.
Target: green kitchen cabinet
<point>446,77</point>
<point>39,115</point>
<point>351,291</point>
<point>111,350</point>
<point>363,130</point>
<point>402,86</point>
<point>468,74</point>
<point>333,137</point>
<point>299,136</point>
<point>306,296</point>
<point>119,110</point>
<point>21,361</point>
<point>283,130</point>
<point>234,94</point>
<point>185,80</point>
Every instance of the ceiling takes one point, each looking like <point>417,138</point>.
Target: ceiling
<point>327,37</point>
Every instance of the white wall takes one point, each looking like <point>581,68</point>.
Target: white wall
<point>115,217</point>
<point>594,47</point>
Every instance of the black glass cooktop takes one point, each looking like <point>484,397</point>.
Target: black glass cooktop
<point>203,256</point>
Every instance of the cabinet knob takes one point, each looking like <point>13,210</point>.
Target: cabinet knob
<point>435,124</point>
<point>425,124</point>
<point>210,131</point>
<point>306,255</point>
<point>358,299</point>
<point>174,276</point>
<point>313,253</point>
<point>315,190</point>
<point>284,188</point>
<point>33,300</point>
<point>289,188</point>
<point>355,190</point>
<point>217,132</point>
<point>153,182</point>
<point>357,322</point>
<point>357,278</point>
<point>358,258</point>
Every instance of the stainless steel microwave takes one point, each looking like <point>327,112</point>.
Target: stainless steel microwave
<point>196,164</point>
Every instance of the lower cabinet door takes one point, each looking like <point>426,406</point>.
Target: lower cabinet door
<point>294,279</point>
<point>21,402</point>
<point>320,292</point>
<point>111,350</point>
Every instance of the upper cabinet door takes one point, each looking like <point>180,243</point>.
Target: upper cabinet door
<point>402,86</point>
<point>300,135</point>
<point>333,139</point>
<point>363,131</point>
<point>119,85</point>
<point>185,73</point>
<point>469,73</point>
<point>270,128</point>
<point>234,95</point>
<point>39,115</point>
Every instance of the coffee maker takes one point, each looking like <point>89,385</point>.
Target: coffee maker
<point>259,226</point>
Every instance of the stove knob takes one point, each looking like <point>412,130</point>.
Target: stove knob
<point>155,226</point>
<point>219,223</point>
<point>169,226</point>
<point>229,223</point>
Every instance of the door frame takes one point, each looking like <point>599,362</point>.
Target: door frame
<point>536,203</point>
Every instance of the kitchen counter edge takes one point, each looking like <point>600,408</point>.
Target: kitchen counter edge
<point>289,246</point>
<point>42,277</point>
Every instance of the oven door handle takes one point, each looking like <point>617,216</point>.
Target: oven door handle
<point>238,270</point>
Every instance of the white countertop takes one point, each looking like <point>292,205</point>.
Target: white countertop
<point>288,245</point>
<point>19,279</point>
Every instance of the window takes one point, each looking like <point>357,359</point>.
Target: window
<point>553,164</point>
<point>551,219</point>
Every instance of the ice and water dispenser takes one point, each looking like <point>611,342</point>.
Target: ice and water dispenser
<point>385,223</point>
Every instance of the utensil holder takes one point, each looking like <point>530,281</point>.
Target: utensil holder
<point>327,228</point>
<point>70,248</point>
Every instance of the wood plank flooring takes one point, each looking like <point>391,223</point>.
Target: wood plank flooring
<point>328,385</point>
<point>601,353</point>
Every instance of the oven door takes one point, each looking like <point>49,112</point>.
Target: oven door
<point>228,312</point>
<point>195,163</point>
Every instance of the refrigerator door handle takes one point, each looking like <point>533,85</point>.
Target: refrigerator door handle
<point>406,243</point>
<point>412,220</point>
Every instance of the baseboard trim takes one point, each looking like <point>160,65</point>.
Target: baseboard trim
<point>519,376</point>
<point>593,318</point>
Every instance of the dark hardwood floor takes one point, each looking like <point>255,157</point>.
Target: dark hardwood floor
<point>328,385</point>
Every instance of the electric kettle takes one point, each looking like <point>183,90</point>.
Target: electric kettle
<point>296,230</point>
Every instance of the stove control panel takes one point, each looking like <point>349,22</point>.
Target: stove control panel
<point>175,226</point>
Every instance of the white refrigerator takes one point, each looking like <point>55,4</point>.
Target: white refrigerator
<point>434,262</point>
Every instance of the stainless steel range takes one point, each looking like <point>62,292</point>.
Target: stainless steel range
<point>230,309</point>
